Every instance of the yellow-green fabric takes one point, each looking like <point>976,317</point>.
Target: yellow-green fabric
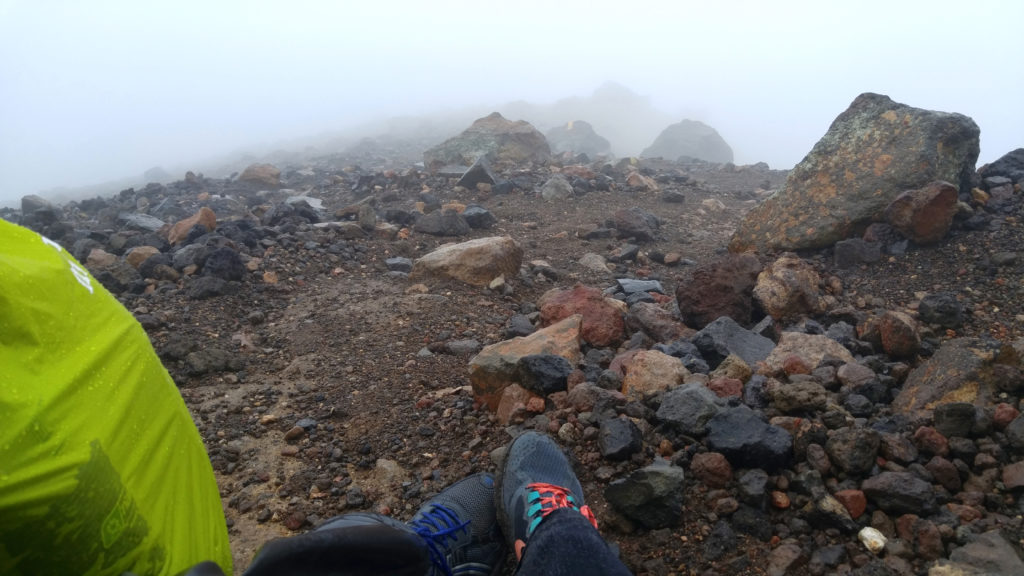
<point>102,470</point>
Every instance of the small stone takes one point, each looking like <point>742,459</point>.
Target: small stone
<point>289,451</point>
<point>872,539</point>
<point>294,433</point>
<point>711,468</point>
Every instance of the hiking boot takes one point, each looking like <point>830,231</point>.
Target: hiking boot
<point>460,528</point>
<point>535,480</point>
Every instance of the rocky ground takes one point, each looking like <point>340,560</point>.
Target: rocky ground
<point>323,380</point>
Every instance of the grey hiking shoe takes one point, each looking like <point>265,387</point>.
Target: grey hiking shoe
<point>460,528</point>
<point>535,479</point>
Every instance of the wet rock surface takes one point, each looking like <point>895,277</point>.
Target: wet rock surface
<point>332,364</point>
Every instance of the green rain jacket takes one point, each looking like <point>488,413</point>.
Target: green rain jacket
<point>101,468</point>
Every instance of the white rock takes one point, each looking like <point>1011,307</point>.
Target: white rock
<point>872,539</point>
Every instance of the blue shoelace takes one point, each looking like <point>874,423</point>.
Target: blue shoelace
<point>436,527</point>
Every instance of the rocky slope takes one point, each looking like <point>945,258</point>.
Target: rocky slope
<point>728,414</point>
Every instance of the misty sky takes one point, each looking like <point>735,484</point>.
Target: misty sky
<point>96,90</point>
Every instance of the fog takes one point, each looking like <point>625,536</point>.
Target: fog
<point>98,91</point>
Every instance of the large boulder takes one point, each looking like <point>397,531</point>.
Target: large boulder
<point>504,141</point>
<point>873,151</point>
<point>577,137</point>
<point>476,262</point>
<point>690,139</point>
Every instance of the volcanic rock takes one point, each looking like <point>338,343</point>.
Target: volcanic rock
<point>503,141</point>
<point>690,139</point>
<point>788,287</point>
<point>603,319</point>
<point>689,408</point>
<point>722,287</point>
<point>747,441</point>
<point>651,496</point>
<point>497,365</point>
<point>924,215</point>
<point>960,371</point>
<point>476,262</point>
<point>556,188</point>
<point>577,137</point>
<point>873,151</point>
<point>900,493</point>
<point>265,175</point>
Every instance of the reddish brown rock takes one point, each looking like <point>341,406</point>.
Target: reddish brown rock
<point>924,215</point>
<point>779,500</point>
<point>604,322</point>
<point>726,387</point>
<point>873,151</point>
<point>966,514</point>
<point>854,501</point>
<point>1003,415</point>
<point>899,334</point>
<point>794,364</point>
<point>723,287</point>
<point>712,469</point>
<point>930,441</point>
<point>945,473</point>
<point>204,217</point>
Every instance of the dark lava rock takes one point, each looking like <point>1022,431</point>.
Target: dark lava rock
<point>224,263</point>
<point>954,419</point>
<point>544,373</point>
<point>636,223</point>
<point>1010,165</point>
<point>209,360</point>
<point>689,408</point>
<point>724,336</point>
<point>651,496</point>
<point>853,450</point>
<point>207,287</point>
<point>689,139</point>
<point>747,441</point>
<point>442,223</point>
<point>399,264</point>
<point>752,487</point>
<point>619,438</point>
<point>720,541</point>
<point>631,286</point>
<point>479,217</point>
<point>942,309</point>
<point>900,493</point>
<point>854,252</point>
<point>478,173</point>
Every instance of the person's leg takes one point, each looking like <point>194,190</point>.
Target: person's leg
<point>454,532</point>
<point>544,516</point>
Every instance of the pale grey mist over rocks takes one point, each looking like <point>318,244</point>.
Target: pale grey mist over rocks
<point>100,92</point>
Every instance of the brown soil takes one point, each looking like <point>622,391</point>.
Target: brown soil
<point>339,341</point>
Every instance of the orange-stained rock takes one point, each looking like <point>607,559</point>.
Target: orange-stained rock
<point>139,254</point>
<point>873,151</point>
<point>496,366</point>
<point>809,348</point>
<point>652,372</point>
<point>204,217</point>
<point>899,334</point>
